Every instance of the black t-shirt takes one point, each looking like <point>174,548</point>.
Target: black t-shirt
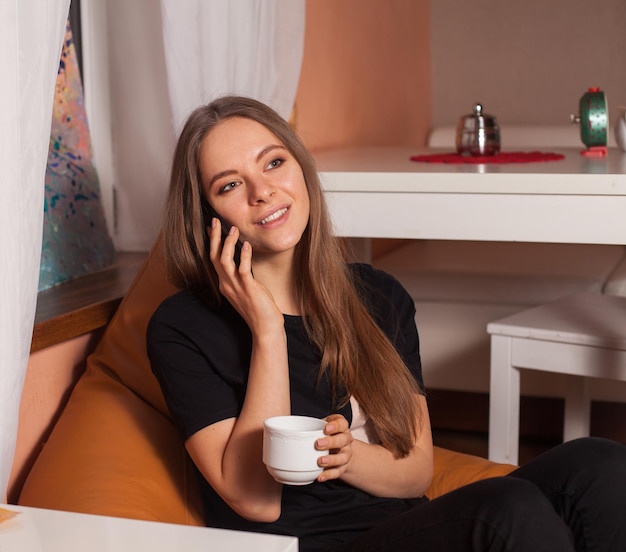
<point>201,358</point>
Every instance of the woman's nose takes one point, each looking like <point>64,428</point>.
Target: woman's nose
<point>261,189</point>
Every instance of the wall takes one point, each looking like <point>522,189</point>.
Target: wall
<point>528,62</point>
<point>365,74</point>
<point>365,77</point>
<point>50,378</point>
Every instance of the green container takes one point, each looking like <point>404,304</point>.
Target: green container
<point>594,118</point>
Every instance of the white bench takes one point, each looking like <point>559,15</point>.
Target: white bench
<point>583,335</point>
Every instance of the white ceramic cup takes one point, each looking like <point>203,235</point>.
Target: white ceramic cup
<point>289,451</point>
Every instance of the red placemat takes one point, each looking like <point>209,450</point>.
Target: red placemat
<point>502,157</point>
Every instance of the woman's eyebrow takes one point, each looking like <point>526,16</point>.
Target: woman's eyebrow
<point>221,175</point>
<point>267,149</point>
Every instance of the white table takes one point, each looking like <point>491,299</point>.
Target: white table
<point>582,335</point>
<point>38,530</point>
<point>381,193</point>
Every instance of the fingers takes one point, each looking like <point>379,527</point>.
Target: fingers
<point>338,434</point>
<point>335,464</point>
<point>228,249</point>
<point>245,263</point>
<point>338,442</point>
<point>222,250</point>
<point>334,442</point>
<point>215,241</point>
<point>336,423</point>
<point>250,298</point>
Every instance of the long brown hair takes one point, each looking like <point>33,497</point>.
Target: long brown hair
<point>360,357</point>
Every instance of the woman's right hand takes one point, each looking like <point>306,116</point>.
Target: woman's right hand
<point>246,294</point>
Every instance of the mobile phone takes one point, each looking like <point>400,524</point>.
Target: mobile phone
<point>208,213</point>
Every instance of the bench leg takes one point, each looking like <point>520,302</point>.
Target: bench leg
<point>504,401</point>
<point>577,408</point>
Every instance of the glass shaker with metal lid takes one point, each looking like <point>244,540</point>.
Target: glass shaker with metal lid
<point>478,133</point>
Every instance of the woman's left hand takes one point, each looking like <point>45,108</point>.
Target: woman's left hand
<point>338,441</point>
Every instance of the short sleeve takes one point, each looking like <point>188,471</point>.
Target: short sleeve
<point>200,359</point>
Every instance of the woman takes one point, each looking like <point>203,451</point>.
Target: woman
<point>272,321</point>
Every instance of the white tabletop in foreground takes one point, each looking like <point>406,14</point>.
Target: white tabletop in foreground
<point>39,530</point>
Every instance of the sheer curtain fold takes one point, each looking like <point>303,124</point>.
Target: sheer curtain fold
<point>248,47</point>
<point>31,37</point>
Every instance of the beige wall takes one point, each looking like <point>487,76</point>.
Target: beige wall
<point>50,378</point>
<point>384,73</point>
<point>528,62</point>
<point>365,75</point>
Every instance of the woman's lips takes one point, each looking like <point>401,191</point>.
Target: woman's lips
<point>274,216</point>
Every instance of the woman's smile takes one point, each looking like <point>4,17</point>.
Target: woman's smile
<point>274,216</point>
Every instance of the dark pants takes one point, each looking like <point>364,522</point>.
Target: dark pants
<point>573,497</point>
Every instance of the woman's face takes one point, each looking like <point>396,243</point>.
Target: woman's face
<point>255,184</point>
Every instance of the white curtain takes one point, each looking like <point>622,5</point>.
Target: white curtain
<point>248,47</point>
<point>31,37</point>
<point>161,64</point>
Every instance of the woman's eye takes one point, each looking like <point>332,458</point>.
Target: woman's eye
<point>228,187</point>
<point>275,163</point>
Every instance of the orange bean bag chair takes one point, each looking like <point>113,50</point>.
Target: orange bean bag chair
<point>115,451</point>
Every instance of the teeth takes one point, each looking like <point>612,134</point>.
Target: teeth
<point>274,216</point>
